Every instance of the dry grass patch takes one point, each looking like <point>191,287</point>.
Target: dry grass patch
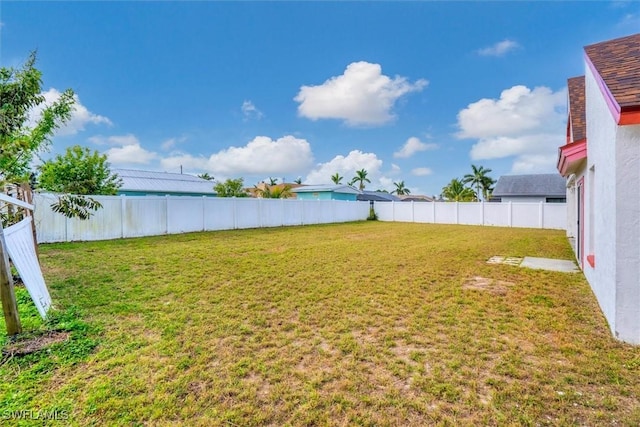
<point>366,323</point>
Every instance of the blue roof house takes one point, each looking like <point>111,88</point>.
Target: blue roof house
<point>147,183</point>
<point>326,192</point>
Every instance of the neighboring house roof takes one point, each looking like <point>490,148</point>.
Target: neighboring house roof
<point>159,182</point>
<point>416,198</point>
<point>530,185</point>
<point>347,189</point>
<point>377,196</point>
<point>617,63</point>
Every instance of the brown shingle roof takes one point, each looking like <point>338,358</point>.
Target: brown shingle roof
<point>577,114</point>
<point>618,63</point>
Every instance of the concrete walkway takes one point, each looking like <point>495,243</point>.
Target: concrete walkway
<point>561,265</point>
<point>550,264</point>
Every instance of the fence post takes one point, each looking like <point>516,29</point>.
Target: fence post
<point>457,213</point>
<point>541,213</point>
<point>510,214</point>
<point>166,216</point>
<point>7,292</point>
<point>433,206</point>
<point>413,212</point>
<point>122,214</point>
<point>204,214</point>
<point>482,214</point>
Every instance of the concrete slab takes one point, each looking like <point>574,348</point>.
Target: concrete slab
<point>550,264</point>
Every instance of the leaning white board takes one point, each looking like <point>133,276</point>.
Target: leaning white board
<point>21,249</point>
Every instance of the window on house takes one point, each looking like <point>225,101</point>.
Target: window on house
<point>556,200</point>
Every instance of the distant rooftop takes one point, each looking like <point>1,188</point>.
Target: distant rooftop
<point>326,187</point>
<point>530,185</point>
<point>158,182</point>
<point>377,196</point>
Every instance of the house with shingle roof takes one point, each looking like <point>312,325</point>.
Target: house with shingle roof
<point>601,162</point>
<point>534,188</point>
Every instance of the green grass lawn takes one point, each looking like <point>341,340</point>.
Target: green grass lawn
<point>364,323</point>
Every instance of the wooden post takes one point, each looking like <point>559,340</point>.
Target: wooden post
<point>27,196</point>
<point>7,293</point>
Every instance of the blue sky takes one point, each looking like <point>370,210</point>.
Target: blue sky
<point>412,91</point>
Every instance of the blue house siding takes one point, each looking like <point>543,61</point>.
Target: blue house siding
<point>325,195</point>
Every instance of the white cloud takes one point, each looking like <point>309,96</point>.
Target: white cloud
<point>535,163</point>
<point>80,115</point>
<point>523,123</point>
<point>518,110</point>
<point>413,146</point>
<point>499,49</point>
<point>360,96</point>
<point>421,171</point>
<point>347,167</point>
<point>249,111</point>
<point>125,150</point>
<point>261,156</point>
<point>171,143</point>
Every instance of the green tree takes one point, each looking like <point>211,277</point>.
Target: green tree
<point>401,190</point>
<point>231,188</point>
<point>336,178</point>
<point>360,178</point>
<point>78,174</point>
<point>273,181</point>
<point>274,191</point>
<point>456,191</point>
<point>298,180</point>
<point>206,176</point>
<point>20,137</point>
<point>80,171</point>
<point>480,180</point>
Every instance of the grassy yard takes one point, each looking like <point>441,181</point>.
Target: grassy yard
<point>365,323</point>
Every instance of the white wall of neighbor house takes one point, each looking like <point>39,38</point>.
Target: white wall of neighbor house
<point>627,189</point>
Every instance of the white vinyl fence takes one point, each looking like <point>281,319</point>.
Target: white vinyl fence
<point>526,215</point>
<point>123,216</point>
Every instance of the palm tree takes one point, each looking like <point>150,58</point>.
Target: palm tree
<point>455,191</point>
<point>401,190</point>
<point>298,180</point>
<point>336,178</point>
<point>206,176</point>
<point>274,192</point>
<point>360,178</point>
<point>273,181</point>
<point>480,180</point>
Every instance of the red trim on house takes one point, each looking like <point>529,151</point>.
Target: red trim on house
<point>622,116</point>
<point>629,117</point>
<point>570,154</point>
<point>591,259</point>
